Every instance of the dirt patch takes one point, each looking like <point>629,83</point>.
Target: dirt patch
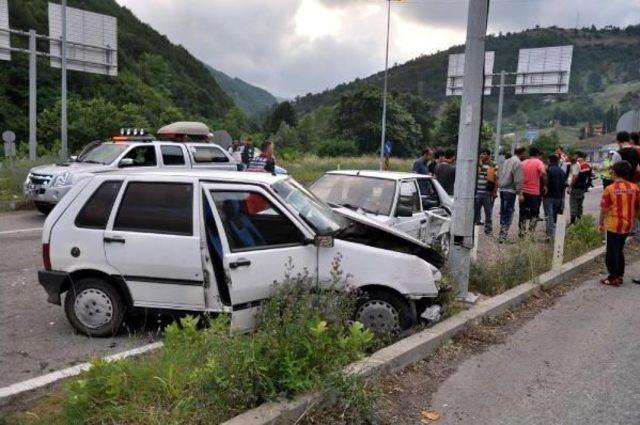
<point>409,392</point>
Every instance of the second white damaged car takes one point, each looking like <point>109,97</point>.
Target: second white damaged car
<point>216,241</point>
<point>411,203</point>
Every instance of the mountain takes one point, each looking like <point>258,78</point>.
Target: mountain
<point>253,100</point>
<point>157,82</point>
<point>605,61</point>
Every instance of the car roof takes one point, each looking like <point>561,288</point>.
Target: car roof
<point>203,174</point>
<point>389,175</point>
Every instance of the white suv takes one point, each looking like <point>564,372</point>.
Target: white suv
<point>216,242</point>
<point>47,184</point>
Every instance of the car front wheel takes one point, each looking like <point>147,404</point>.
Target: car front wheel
<point>383,312</point>
<point>94,307</point>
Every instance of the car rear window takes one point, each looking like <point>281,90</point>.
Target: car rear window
<point>172,155</point>
<point>151,207</point>
<point>96,211</point>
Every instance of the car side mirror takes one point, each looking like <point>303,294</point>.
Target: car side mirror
<point>323,241</point>
<point>404,211</point>
<point>126,162</point>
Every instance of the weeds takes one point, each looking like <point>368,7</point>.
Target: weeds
<point>13,175</point>
<point>582,237</point>
<point>205,376</point>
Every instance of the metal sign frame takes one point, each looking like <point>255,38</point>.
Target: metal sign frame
<point>92,40</point>
<point>455,73</point>
<point>5,37</point>
<point>545,70</point>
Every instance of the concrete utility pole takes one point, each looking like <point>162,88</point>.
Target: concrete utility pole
<point>499,120</point>
<point>468,141</point>
<point>384,91</point>
<point>33,55</point>
<point>64,151</point>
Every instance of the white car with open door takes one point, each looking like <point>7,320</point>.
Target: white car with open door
<point>216,242</point>
<point>412,203</point>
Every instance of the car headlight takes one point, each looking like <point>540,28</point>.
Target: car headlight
<point>28,179</point>
<point>62,180</point>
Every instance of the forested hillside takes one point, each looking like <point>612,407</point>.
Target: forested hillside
<point>253,100</point>
<point>605,61</point>
<point>158,82</point>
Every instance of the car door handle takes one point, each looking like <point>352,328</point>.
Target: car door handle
<point>240,263</point>
<point>115,239</point>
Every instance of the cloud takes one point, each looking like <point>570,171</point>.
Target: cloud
<point>292,47</point>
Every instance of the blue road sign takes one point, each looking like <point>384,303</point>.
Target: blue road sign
<point>387,147</point>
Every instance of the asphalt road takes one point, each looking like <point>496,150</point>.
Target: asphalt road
<point>35,337</point>
<point>577,362</point>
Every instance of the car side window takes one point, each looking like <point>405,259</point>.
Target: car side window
<point>251,221</point>
<point>428,194</point>
<point>409,196</point>
<point>208,154</point>
<point>153,207</point>
<point>143,156</point>
<point>96,211</point>
<point>172,155</point>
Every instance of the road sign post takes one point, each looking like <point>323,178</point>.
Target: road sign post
<point>499,120</point>
<point>384,91</point>
<point>33,69</point>
<point>64,151</point>
<point>467,157</point>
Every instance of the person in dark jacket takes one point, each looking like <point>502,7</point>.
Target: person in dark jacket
<point>420,166</point>
<point>578,185</point>
<point>445,171</point>
<point>265,162</point>
<point>552,201</point>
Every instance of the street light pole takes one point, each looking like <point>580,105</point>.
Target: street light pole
<point>384,91</point>
<point>499,120</point>
<point>468,141</point>
<point>33,66</point>
<point>63,95</point>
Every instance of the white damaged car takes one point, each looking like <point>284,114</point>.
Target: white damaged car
<point>411,203</point>
<point>216,241</point>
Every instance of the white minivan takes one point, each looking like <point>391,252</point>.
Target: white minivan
<point>217,241</point>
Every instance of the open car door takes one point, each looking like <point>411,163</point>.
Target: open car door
<point>261,243</point>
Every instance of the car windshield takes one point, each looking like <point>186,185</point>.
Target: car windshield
<point>312,210</point>
<point>105,153</point>
<point>371,195</point>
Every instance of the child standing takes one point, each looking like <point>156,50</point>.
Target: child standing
<point>618,212</point>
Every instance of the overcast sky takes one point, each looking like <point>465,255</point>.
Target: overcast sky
<point>291,47</point>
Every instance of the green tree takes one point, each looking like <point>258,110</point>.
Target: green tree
<point>448,124</point>
<point>237,123</point>
<point>358,117</point>
<point>547,143</point>
<point>594,82</point>
<point>283,112</point>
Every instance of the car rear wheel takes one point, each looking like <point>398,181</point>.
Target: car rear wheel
<point>383,312</point>
<point>94,307</point>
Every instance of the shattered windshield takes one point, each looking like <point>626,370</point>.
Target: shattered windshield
<point>371,195</point>
<point>312,210</point>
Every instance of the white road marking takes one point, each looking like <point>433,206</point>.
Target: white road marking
<point>9,232</point>
<point>44,380</point>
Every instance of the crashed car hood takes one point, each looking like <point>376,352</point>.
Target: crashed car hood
<point>386,237</point>
<point>72,167</point>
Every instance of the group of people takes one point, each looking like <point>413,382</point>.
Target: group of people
<point>244,154</point>
<point>526,179</point>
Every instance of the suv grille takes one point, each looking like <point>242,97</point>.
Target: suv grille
<point>40,179</point>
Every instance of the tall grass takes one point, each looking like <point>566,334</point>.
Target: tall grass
<point>307,168</point>
<point>13,174</point>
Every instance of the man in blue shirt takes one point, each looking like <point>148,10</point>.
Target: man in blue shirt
<point>552,203</point>
<point>420,166</point>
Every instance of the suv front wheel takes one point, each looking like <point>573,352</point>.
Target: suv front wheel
<point>94,307</point>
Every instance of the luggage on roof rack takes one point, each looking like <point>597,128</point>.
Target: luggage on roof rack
<point>185,131</point>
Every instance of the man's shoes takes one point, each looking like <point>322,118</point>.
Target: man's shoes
<point>636,281</point>
<point>612,281</point>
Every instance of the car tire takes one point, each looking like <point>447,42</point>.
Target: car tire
<point>94,307</point>
<point>383,312</point>
<point>44,208</point>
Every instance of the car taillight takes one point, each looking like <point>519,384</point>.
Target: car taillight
<point>46,258</point>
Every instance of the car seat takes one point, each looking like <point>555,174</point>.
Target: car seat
<point>242,229</point>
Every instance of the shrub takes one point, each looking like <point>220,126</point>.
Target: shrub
<point>337,147</point>
<point>582,237</point>
<point>13,175</point>
<point>305,338</point>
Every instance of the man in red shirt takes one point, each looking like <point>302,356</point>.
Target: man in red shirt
<point>534,183</point>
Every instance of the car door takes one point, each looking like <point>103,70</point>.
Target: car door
<point>262,243</point>
<point>153,240</point>
<point>409,198</point>
<point>438,217</point>
<point>172,155</point>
